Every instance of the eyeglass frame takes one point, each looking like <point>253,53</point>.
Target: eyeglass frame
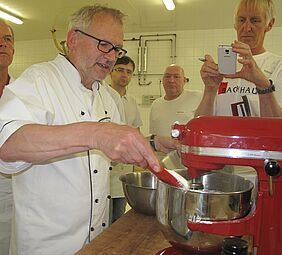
<point>122,70</point>
<point>115,48</point>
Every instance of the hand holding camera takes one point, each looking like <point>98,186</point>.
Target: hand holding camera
<point>227,59</point>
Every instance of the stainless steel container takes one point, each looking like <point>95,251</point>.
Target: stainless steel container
<point>140,191</point>
<point>220,196</point>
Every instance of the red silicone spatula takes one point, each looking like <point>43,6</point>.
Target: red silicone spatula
<point>172,178</point>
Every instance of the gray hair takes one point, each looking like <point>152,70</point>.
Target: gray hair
<point>82,18</point>
<point>266,6</point>
<point>11,29</point>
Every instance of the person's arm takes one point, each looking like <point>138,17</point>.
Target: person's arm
<point>212,79</point>
<point>250,71</point>
<point>38,143</point>
<point>166,144</point>
<point>269,106</point>
<point>206,106</point>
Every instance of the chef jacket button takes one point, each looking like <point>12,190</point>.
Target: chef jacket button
<point>103,224</point>
<point>110,168</point>
<point>95,171</point>
<point>92,228</point>
<point>96,200</point>
<point>109,197</point>
<point>106,112</point>
<point>82,113</point>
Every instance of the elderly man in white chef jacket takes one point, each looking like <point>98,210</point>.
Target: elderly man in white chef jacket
<point>58,136</point>
<point>6,196</point>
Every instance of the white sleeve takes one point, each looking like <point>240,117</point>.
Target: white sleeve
<point>13,167</point>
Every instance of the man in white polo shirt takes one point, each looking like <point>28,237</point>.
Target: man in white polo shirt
<point>120,78</point>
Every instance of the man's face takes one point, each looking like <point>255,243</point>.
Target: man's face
<point>6,45</point>
<point>91,63</point>
<point>251,26</point>
<point>121,75</point>
<point>173,82</point>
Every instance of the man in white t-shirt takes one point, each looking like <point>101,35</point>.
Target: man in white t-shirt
<point>254,90</point>
<point>6,195</point>
<point>176,105</point>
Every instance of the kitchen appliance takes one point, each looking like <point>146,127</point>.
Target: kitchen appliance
<point>209,143</point>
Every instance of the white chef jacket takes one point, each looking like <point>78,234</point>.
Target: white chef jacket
<point>54,199</point>
<point>115,95</point>
<point>6,209</point>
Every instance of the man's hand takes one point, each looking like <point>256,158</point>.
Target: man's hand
<point>125,144</point>
<point>210,75</point>
<point>166,144</point>
<point>250,70</point>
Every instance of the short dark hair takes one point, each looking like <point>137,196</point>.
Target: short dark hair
<point>125,60</point>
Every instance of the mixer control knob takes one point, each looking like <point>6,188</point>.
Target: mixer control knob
<point>175,133</point>
<point>271,167</point>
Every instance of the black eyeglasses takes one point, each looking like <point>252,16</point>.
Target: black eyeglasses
<point>105,46</point>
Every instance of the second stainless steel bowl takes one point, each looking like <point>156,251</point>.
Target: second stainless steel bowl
<point>140,191</point>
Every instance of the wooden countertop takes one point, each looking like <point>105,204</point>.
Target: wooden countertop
<point>133,234</point>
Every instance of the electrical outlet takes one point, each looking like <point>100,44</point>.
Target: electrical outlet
<point>148,99</point>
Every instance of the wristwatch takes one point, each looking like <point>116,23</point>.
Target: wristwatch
<point>152,142</point>
<point>267,90</point>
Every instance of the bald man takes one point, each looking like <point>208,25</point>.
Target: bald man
<point>177,104</point>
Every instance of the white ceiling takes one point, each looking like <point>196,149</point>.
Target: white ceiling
<point>142,15</point>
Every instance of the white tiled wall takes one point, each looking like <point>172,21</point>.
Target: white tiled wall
<point>190,45</point>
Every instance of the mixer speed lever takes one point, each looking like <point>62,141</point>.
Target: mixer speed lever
<point>272,168</point>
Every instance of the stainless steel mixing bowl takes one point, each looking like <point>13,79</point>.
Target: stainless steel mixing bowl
<point>221,197</point>
<point>140,191</point>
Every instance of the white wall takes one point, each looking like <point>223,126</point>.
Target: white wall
<point>190,45</point>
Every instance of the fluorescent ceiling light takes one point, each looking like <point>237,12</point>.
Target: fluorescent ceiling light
<point>169,4</point>
<point>10,17</point>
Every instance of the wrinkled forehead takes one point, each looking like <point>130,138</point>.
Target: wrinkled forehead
<point>174,70</point>
<point>107,27</point>
<point>5,29</point>
<point>251,9</point>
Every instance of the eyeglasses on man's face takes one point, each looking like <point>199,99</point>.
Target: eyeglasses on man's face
<point>123,70</point>
<point>105,46</point>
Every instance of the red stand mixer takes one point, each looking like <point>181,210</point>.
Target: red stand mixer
<point>209,143</point>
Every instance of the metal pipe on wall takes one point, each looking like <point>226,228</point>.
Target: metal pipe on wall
<point>139,65</point>
<point>142,62</point>
<point>145,59</point>
<point>146,48</point>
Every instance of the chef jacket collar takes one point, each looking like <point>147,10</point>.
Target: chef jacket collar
<point>95,85</point>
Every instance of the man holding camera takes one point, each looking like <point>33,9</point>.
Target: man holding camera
<point>255,90</point>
